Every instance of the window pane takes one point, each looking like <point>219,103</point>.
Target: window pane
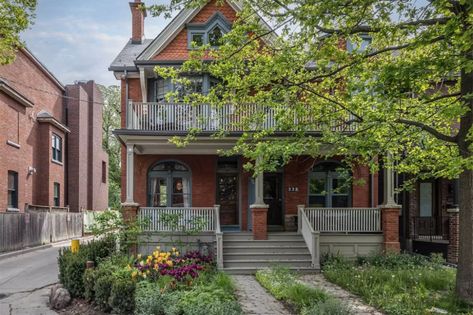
<point>317,185</point>
<point>214,36</point>
<point>11,181</point>
<point>197,39</point>
<point>340,201</point>
<point>159,192</point>
<point>177,192</point>
<point>317,201</point>
<point>425,199</point>
<point>340,186</point>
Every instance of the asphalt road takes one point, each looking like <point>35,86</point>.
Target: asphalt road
<point>25,281</point>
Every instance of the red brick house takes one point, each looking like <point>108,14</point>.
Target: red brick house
<point>158,177</point>
<point>40,135</point>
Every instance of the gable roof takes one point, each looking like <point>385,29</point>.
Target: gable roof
<point>43,68</point>
<point>14,94</point>
<point>177,25</point>
<point>125,59</point>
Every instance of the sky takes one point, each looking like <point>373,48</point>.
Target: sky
<point>77,40</point>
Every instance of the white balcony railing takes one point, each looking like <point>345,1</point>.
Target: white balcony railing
<point>345,220</point>
<point>181,117</point>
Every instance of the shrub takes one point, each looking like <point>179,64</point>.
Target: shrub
<point>89,279</point>
<point>122,293</point>
<point>72,265</point>
<point>148,299</point>
<point>327,307</point>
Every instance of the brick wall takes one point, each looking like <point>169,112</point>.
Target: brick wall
<point>18,124</point>
<point>203,172</point>
<point>177,48</point>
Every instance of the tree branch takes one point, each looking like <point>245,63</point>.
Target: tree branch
<point>434,132</point>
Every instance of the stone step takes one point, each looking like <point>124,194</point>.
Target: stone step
<point>227,257</point>
<point>252,270</point>
<point>260,249</point>
<point>262,263</point>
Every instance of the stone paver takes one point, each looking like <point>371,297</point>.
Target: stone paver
<point>351,300</point>
<point>254,299</point>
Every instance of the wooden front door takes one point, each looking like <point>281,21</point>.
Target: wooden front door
<point>272,194</point>
<point>227,198</point>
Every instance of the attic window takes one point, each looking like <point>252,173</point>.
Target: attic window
<point>215,35</point>
<point>197,39</point>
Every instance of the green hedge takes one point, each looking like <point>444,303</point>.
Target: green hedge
<point>72,265</point>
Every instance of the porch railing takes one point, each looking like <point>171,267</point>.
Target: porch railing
<point>344,220</point>
<point>430,228</point>
<point>175,117</point>
<point>204,219</point>
<point>311,237</point>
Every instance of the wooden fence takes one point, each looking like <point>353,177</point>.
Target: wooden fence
<point>33,228</point>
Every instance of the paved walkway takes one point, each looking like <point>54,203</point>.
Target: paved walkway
<point>351,300</point>
<point>254,299</point>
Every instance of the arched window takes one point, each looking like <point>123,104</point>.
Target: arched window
<point>169,185</point>
<point>328,187</point>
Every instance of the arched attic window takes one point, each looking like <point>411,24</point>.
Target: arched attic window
<point>169,185</point>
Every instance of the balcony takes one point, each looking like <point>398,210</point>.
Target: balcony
<point>182,117</point>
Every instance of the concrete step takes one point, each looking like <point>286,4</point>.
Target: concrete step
<point>260,243</point>
<point>252,270</point>
<point>260,249</point>
<point>262,263</point>
<point>227,257</point>
<point>271,236</point>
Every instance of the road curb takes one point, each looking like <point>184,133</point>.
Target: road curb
<point>40,247</point>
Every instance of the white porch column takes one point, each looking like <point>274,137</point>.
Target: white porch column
<point>389,181</point>
<point>130,154</point>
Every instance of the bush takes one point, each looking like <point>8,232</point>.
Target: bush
<point>148,299</point>
<point>122,293</point>
<point>327,307</point>
<point>72,265</point>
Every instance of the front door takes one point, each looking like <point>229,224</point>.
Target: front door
<point>227,198</point>
<point>272,194</point>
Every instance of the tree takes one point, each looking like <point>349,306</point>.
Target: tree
<point>111,121</point>
<point>15,17</point>
<point>372,76</point>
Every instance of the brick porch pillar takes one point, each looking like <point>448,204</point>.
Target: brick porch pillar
<point>453,235</point>
<point>130,214</point>
<point>390,223</point>
<point>259,216</point>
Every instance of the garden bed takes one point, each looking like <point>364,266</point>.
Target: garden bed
<point>168,283</point>
<point>297,296</point>
<point>399,284</point>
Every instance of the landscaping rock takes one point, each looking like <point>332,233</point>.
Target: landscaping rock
<point>53,291</point>
<point>59,299</point>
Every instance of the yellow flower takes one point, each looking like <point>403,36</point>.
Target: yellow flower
<point>133,274</point>
<point>174,249</point>
<point>177,253</point>
<point>139,256</point>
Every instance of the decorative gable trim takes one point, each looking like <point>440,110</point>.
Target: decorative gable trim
<point>177,25</point>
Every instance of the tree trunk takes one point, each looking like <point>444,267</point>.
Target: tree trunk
<point>464,285</point>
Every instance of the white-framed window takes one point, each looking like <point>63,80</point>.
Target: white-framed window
<point>12,189</point>
<point>328,187</point>
<point>56,148</point>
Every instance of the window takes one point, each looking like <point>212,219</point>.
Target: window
<point>57,194</point>
<point>426,199</point>
<point>197,39</point>
<point>195,85</point>
<point>328,187</point>
<point>169,185</point>
<point>214,36</point>
<point>12,189</point>
<point>57,148</point>
<point>361,46</point>
<point>104,172</point>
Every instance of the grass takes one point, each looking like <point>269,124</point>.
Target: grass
<point>399,284</point>
<point>305,300</point>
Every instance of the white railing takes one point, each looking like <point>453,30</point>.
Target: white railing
<point>311,237</point>
<point>177,117</point>
<point>344,220</point>
<point>182,220</point>
<point>179,219</point>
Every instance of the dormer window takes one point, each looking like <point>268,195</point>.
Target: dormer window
<point>214,36</point>
<point>209,33</point>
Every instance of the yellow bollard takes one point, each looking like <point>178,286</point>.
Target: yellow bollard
<point>74,246</point>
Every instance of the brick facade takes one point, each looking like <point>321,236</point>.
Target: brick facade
<point>26,136</point>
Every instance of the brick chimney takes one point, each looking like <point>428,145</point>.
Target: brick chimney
<point>137,22</point>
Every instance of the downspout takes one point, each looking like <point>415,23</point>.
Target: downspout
<point>372,190</point>
<point>126,97</point>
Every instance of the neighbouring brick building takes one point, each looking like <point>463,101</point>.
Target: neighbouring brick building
<point>50,140</point>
